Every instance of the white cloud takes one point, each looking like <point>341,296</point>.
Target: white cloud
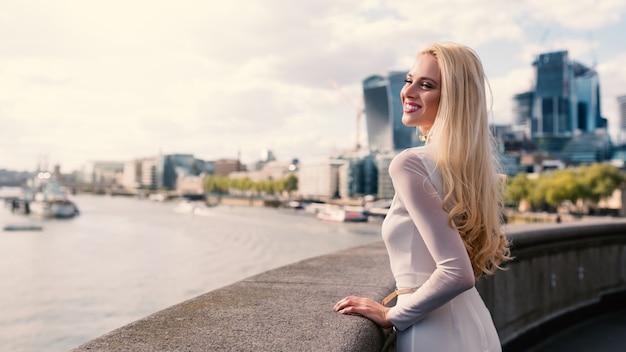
<point>125,79</point>
<point>579,15</point>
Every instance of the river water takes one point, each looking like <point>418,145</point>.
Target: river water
<point>122,259</point>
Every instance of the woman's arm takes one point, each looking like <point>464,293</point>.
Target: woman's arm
<point>453,273</point>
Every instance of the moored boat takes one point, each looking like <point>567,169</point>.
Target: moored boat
<point>56,208</point>
<point>342,214</point>
<point>49,200</point>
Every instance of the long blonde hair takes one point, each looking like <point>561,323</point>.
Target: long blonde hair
<point>465,155</point>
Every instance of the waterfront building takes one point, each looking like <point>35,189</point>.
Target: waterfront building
<point>223,167</point>
<point>103,173</point>
<point>162,171</point>
<point>172,166</point>
<point>149,173</point>
<point>140,173</point>
<point>360,176</point>
<point>319,178</point>
<point>190,185</point>
<point>270,170</point>
<point>131,174</point>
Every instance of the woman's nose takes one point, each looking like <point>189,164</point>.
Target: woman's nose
<point>409,91</point>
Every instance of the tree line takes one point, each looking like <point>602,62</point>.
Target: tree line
<point>246,186</point>
<point>584,185</point>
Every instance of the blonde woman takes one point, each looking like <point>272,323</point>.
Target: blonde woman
<point>443,229</point>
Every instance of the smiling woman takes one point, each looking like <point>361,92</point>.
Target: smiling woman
<point>443,229</point>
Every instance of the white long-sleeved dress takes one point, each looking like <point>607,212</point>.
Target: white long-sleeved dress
<point>446,312</point>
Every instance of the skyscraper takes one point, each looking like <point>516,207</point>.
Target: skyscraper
<point>565,102</point>
<point>383,112</point>
<point>552,101</point>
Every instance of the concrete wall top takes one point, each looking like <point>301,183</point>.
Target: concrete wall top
<point>286,309</point>
<point>290,308</point>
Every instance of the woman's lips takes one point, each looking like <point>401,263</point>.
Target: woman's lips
<point>411,107</point>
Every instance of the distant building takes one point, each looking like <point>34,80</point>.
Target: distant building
<point>103,173</point>
<point>163,171</point>
<point>224,167</point>
<point>383,112</point>
<point>563,108</point>
<point>131,178</point>
<point>272,170</point>
<point>172,166</point>
<point>150,177</point>
<point>361,176</point>
<point>587,148</point>
<point>14,178</point>
<point>190,185</point>
<point>319,178</point>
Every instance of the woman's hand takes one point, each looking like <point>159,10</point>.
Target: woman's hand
<point>374,311</point>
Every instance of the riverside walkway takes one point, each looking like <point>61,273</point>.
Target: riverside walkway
<point>562,273</point>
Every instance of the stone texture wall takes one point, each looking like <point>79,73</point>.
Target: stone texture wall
<point>559,269</point>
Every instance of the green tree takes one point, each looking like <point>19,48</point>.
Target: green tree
<point>591,182</point>
<point>291,184</point>
<point>600,180</point>
<point>518,188</point>
<point>538,192</point>
<point>216,184</point>
<point>221,184</point>
<point>563,185</point>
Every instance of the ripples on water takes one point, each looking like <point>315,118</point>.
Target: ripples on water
<point>123,259</point>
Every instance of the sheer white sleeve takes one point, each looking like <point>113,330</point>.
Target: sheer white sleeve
<point>452,272</point>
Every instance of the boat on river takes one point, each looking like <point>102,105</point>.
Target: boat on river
<point>53,208</point>
<point>193,207</point>
<point>49,199</point>
<point>342,214</point>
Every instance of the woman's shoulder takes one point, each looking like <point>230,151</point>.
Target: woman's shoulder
<point>417,164</point>
<point>415,154</point>
<point>413,159</point>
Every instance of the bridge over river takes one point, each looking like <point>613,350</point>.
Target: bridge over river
<point>563,274</point>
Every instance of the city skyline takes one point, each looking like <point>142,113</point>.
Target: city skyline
<point>126,80</point>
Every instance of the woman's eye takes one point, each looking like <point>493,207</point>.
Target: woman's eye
<point>425,85</point>
<point>408,81</point>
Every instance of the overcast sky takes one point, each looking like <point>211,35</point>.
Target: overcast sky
<point>119,80</point>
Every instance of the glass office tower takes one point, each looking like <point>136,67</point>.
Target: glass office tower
<point>383,112</point>
<point>566,97</point>
<point>553,97</point>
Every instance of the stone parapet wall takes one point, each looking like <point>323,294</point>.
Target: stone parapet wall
<point>559,268</point>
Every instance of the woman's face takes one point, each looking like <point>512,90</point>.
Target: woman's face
<point>420,95</point>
